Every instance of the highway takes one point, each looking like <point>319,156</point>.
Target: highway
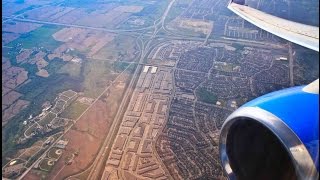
<point>134,32</point>
<point>98,166</point>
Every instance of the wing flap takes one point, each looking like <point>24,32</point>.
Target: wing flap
<point>302,34</point>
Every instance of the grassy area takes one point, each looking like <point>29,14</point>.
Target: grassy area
<point>132,68</point>
<point>308,62</point>
<point>178,8</point>
<point>56,135</point>
<point>69,93</point>
<point>206,96</point>
<point>39,87</point>
<point>72,69</point>
<point>74,110</point>
<point>83,174</point>
<point>224,66</point>
<point>120,66</point>
<point>35,157</point>
<point>30,130</point>
<point>52,153</point>
<point>11,54</point>
<point>47,119</point>
<point>240,101</point>
<point>37,91</point>
<point>78,3</point>
<point>239,47</point>
<point>93,78</point>
<point>121,48</point>
<point>40,174</point>
<point>153,11</point>
<point>228,67</point>
<point>148,14</point>
<point>41,37</point>
<point>43,165</point>
<point>96,74</point>
<point>26,9</point>
<point>186,31</point>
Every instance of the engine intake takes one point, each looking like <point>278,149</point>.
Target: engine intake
<point>267,139</point>
<point>256,153</point>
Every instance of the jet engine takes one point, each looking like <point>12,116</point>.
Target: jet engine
<point>275,136</point>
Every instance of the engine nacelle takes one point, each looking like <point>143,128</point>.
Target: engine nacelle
<point>275,136</point>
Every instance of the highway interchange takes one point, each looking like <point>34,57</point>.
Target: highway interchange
<point>145,41</point>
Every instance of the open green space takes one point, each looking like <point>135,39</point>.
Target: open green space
<point>93,78</point>
<point>43,165</point>
<point>121,48</point>
<point>224,66</point>
<point>52,153</point>
<point>97,74</point>
<point>72,69</point>
<point>39,38</point>
<point>38,91</point>
<point>185,31</point>
<point>239,47</point>
<point>47,119</point>
<point>74,110</point>
<point>35,157</point>
<point>309,66</point>
<point>39,86</point>
<point>151,12</point>
<point>119,66</point>
<point>30,130</point>
<point>206,96</point>
<point>177,9</point>
<point>25,9</point>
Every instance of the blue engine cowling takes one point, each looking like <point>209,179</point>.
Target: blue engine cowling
<point>275,136</point>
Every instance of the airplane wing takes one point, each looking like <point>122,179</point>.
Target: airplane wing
<point>302,34</point>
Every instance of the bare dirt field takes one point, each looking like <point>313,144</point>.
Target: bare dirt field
<point>67,34</point>
<point>11,77</point>
<point>8,37</point>
<point>82,40</point>
<point>89,132</point>
<point>5,63</point>
<point>43,73</point>
<point>24,55</point>
<point>9,98</point>
<point>86,136</point>
<point>14,76</point>
<point>41,63</point>
<point>5,90</point>
<point>35,175</point>
<point>29,152</point>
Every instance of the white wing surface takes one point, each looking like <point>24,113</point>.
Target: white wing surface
<point>302,34</point>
